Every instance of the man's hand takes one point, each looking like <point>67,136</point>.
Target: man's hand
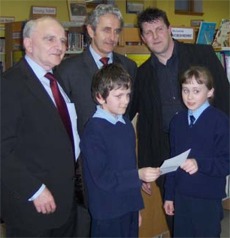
<point>45,203</point>
<point>146,187</point>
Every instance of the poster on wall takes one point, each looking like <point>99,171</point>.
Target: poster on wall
<point>39,11</point>
<point>134,6</point>
<point>77,11</point>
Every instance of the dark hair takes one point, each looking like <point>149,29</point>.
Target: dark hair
<point>109,77</point>
<point>150,15</point>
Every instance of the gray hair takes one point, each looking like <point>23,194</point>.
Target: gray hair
<point>101,10</point>
<point>31,25</point>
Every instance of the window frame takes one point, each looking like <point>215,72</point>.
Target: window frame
<point>190,10</point>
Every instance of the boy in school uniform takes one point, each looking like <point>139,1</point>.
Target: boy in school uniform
<point>113,182</point>
<point>193,193</point>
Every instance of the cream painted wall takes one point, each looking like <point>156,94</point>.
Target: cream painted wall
<point>213,10</point>
<point>21,9</point>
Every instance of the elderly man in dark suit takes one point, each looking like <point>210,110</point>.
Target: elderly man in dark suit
<point>39,148</point>
<point>104,25</point>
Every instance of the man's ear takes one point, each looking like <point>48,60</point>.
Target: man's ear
<point>143,39</point>
<point>27,42</point>
<point>90,31</point>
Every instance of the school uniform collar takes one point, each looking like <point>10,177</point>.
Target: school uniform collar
<point>198,111</point>
<point>101,113</point>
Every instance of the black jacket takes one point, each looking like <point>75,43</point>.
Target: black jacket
<point>152,140</point>
<point>35,150</point>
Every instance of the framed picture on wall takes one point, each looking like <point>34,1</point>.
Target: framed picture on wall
<point>77,11</point>
<point>91,4</point>
<point>134,6</point>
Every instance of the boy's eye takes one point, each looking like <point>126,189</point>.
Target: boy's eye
<point>185,90</point>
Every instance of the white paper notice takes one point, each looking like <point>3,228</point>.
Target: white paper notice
<point>172,164</point>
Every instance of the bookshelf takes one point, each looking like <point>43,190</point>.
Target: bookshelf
<point>75,39</point>
<point>13,42</point>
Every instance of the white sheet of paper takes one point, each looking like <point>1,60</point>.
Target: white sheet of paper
<point>173,163</point>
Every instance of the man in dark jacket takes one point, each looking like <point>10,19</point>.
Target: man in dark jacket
<point>157,95</point>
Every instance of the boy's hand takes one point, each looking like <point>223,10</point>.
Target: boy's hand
<point>190,166</point>
<point>149,174</point>
<point>140,219</point>
<point>169,208</point>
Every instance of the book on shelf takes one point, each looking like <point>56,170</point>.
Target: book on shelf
<point>224,57</point>
<point>227,65</point>
<point>206,33</point>
<point>2,44</point>
<point>75,42</point>
<point>222,37</point>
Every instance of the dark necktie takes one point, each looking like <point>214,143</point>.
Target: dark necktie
<point>61,105</point>
<point>192,120</point>
<point>104,60</point>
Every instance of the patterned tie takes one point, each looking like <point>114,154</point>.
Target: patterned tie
<point>192,120</point>
<point>104,60</point>
<point>61,105</point>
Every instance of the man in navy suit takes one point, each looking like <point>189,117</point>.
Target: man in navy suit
<point>37,160</point>
<point>104,25</point>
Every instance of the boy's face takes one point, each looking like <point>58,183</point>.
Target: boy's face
<point>117,101</point>
<point>194,94</point>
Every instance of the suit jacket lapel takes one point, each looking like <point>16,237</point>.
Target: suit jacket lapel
<point>116,59</point>
<point>153,81</point>
<point>36,87</point>
<point>89,61</point>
